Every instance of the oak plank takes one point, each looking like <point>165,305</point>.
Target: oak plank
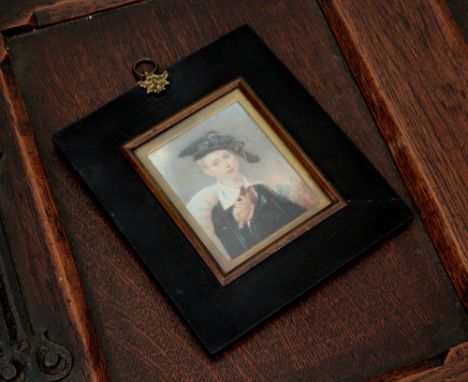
<point>410,62</point>
<point>39,13</point>
<point>3,50</point>
<point>49,278</point>
<point>459,12</point>
<point>453,366</point>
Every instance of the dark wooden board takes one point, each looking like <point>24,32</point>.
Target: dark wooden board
<point>47,296</point>
<point>3,51</point>
<point>410,61</point>
<point>450,366</point>
<point>391,309</point>
<point>459,11</point>
<point>39,13</point>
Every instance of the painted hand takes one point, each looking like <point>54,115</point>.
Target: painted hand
<point>244,207</point>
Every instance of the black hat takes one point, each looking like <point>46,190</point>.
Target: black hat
<point>214,141</point>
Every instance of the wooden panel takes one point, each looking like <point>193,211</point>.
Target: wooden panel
<point>416,91</point>
<point>38,13</point>
<point>3,50</point>
<point>390,309</point>
<point>452,366</point>
<point>459,11</point>
<point>47,274</point>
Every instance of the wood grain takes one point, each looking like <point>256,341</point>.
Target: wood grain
<point>391,309</point>
<point>459,12</point>
<point>3,50</point>
<point>411,65</point>
<point>39,13</point>
<point>452,366</point>
<point>39,218</point>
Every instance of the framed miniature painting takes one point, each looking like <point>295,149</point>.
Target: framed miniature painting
<point>238,186</point>
<point>234,187</point>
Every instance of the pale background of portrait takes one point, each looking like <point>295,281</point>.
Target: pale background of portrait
<point>186,178</point>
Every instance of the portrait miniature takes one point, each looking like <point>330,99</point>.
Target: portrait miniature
<point>231,183</point>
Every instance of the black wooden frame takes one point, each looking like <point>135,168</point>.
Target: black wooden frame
<point>219,315</point>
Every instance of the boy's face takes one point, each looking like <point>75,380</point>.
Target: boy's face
<point>220,164</point>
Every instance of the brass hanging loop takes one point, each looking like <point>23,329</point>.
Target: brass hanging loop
<point>153,80</point>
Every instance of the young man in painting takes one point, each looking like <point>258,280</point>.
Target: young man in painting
<point>245,213</point>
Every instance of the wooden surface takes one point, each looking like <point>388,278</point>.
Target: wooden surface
<point>417,94</point>
<point>454,368</point>
<point>3,51</point>
<point>47,274</point>
<point>39,13</point>
<point>393,308</point>
<point>451,366</point>
<point>459,11</point>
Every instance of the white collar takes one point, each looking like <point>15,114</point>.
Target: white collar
<point>228,195</point>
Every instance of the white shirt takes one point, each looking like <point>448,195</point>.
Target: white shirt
<point>229,195</point>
